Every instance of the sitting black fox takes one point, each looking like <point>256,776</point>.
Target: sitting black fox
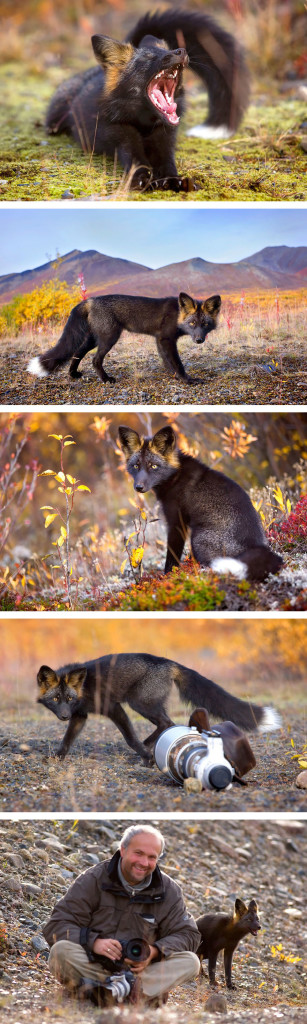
<point>131,105</point>
<point>99,323</point>
<point>226,530</point>
<point>224,931</point>
<point>144,682</point>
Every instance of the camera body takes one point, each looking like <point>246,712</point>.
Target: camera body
<point>182,752</point>
<point>136,950</point>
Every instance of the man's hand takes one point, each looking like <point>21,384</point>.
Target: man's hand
<point>108,947</point>
<point>138,968</point>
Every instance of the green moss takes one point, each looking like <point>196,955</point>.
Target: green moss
<point>265,160</point>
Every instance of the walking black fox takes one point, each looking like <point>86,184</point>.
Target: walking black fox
<point>144,682</point>
<point>99,322</point>
<point>224,931</point>
<point>226,530</point>
<point>131,105</point>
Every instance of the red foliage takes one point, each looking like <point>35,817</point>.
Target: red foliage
<point>295,526</point>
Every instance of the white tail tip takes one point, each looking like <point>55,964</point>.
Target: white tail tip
<point>35,367</point>
<point>233,565</point>
<point>207,131</point>
<point>271,720</point>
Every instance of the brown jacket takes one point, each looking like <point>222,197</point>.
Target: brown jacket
<point>98,903</point>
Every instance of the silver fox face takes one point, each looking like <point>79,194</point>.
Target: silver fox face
<point>198,318</point>
<point>60,693</point>
<point>150,462</point>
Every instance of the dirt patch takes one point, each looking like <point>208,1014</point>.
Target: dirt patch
<point>91,778</point>
<point>213,865</point>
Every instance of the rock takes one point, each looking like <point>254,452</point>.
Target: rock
<point>13,884</point>
<point>53,844</point>
<point>15,859</point>
<point>216,1003</point>
<point>301,780</point>
<point>192,786</point>
<point>31,889</point>
<point>24,748</point>
<point>39,944</point>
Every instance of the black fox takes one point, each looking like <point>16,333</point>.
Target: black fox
<point>99,323</point>
<point>144,682</point>
<point>226,530</point>
<point>131,105</point>
<point>224,931</point>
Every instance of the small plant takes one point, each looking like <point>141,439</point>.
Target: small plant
<point>299,756</point>
<point>17,486</point>
<point>135,552</point>
<point>68,485</point>
<point>277,952</point>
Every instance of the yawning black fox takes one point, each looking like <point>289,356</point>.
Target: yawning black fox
<point>226,530</point>
<point>144,682</point>
<point>131,105</point>
<point>99,322</point>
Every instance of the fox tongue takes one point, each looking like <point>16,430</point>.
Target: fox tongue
<point>164,102</point>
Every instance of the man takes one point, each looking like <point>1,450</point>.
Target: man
<point>127,897</point>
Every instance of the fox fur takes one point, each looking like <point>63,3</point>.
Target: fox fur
<point>130,106</point>
<point>144,682</point>
<point>223,931</point>
<point>99,322</point>
<point>226,530</point>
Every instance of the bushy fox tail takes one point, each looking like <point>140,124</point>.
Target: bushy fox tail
<point>214,55</point>
<point>201,692</point>
<point>72,340</point>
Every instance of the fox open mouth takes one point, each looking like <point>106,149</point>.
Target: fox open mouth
<point>161,90</point>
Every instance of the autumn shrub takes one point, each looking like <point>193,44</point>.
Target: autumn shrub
<point>49,304</point>
<point>17,487</point>
<point>294,528</point>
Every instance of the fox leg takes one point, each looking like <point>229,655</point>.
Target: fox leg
<point>167,349</point>
<point>89,343</point>
<point>117,715</point>
<point>155,713</point>
<point>104,344</point>
<point>176,538</point>
<point>75,726</point>
<point>228,955</point>
<point>211,968</point>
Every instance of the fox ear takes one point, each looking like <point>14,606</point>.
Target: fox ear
<point>186,303</point>
<point>164,441</point>
<point>129,441</point>
<point>212,305</point>
<point>113,56</point>
<point>253,906</point>
<point>240,908</point>
<point>76,679</point>
<point>46,679</point>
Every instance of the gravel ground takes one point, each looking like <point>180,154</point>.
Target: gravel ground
<point>91,778</point>
<point>40,859</point>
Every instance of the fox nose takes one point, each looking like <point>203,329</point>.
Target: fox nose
<point>64,716</point>
<point>139,487</point>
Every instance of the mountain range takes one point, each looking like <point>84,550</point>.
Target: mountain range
<point>279,266</point>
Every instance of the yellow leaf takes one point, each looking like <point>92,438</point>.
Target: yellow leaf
<point>133,503</point>
<point>60,541</point>
<point>123,564</point>
<point>303,764</point>
<point>63,531</point>
<point>60,476</point>
<point>288,506</point>
<point>68,442</point>
<point>58,437</point>
<point>82,487</point>
<point>131,535</point>
<point>122,511</point>
<point>47,472</point>
<point>42,507</point>
<point>143,514</point>
<point>49,519</point>
<point>72,479</point>
<point>23,581</point>
<point>136,556</point>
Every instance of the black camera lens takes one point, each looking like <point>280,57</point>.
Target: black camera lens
<point>136,949</point>
<point>219,777</point>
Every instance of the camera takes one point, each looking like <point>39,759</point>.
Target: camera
<point>183,752</point>
<point>136,950</point>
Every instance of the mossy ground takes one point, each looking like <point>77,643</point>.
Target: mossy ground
<point>264,161</point>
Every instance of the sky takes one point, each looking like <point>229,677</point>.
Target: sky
<point>153,237</point>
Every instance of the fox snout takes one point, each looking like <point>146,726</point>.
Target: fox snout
<point>64,714</point>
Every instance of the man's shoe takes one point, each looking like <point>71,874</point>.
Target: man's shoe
<point>92,990</point>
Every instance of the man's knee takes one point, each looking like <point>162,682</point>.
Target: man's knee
<point>58,955</point>
<point>195,964</point>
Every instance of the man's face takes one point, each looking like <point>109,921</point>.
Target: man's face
<point>139,859</point>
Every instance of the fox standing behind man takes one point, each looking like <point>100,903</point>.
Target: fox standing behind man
<point>131,105</point>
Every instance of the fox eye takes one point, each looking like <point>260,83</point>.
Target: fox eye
<point>68,697</point>
<point>56,700</point>
<point>154,466</point>
<point>192,323</point>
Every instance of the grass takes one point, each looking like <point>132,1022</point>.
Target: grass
<point>265,160</point>
<point>258,359</point>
